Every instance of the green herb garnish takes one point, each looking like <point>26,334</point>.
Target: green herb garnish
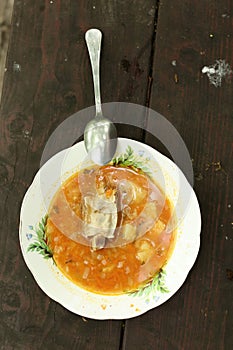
<point>40,242</point>
<point>130,159</point>
<point>156,285</point>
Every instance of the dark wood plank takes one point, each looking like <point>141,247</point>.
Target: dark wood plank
<point>195,34</point>
<point>48,78</point>
<point>6,7</point>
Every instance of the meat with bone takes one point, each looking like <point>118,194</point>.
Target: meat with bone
<point>100,218</point>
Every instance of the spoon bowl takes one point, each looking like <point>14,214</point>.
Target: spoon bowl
<point>100,135</point>
<point>100,139</point>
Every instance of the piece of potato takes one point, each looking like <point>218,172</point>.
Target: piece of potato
<point>145,250</point>
<point>159,227</point>
<point>129,232</point>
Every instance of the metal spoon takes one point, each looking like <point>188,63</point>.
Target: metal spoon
<point>100,135</point>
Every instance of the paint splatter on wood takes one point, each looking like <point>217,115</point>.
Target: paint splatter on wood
<point>217,72</point>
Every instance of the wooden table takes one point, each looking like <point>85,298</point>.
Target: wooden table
<point>153,54</point>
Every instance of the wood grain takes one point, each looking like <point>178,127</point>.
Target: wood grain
<point>190,35</point>
<point>6,7</point>
<point>48,78</point>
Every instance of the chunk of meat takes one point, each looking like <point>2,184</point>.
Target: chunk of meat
<point>99,215</point>
<point>126,192</point>
<point>98,242</point>
<point>102,184</point>
<point>129,212</point>
<point>147,218</point>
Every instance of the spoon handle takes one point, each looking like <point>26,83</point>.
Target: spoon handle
<point>93,40</point>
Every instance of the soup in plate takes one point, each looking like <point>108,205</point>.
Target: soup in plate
<point>109,229</point>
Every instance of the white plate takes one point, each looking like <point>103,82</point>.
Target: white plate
<point>82,302</point>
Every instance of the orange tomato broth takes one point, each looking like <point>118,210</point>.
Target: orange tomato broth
<point>112,270</point>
